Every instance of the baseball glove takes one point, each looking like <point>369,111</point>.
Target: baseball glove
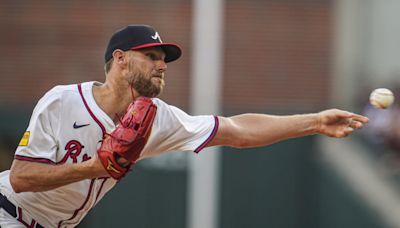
<point>129,137</point>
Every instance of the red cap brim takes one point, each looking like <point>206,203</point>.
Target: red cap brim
<point>172,51</point>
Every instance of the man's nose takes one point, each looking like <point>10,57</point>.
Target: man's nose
<point>161,66</point>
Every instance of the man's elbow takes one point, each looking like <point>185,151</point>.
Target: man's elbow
<point>233,134</point>
<point>17,183</point>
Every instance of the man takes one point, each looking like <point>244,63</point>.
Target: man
<point>57,175</point>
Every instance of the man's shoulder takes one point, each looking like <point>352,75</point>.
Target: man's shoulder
<point>58,93</point>
<point>68,89</point>
<point>164,109</point>
<point>161,104</point>
<point>158,101</point>
<point>63,88</point>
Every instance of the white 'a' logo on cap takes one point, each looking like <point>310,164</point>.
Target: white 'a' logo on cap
<point>157,36</point>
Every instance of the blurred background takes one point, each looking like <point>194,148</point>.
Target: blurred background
<point>275,56</point>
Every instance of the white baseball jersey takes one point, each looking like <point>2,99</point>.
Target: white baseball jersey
<point>67,126</point>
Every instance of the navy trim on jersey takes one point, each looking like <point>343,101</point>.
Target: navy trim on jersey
<point>212,135</point>
<point>103,129</point>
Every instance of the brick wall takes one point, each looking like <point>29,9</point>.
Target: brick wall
<point>277,53</point>
<point>61,42</point>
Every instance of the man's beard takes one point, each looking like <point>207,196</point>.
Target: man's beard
<point>145,87</point>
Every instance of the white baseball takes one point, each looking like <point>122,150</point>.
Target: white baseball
<point>381,98</point>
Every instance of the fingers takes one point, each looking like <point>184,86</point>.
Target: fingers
<point>339,123</point>
<point>359,118</point>
<point>355,124</point>
<point>351,119</point>
<point>340,133</point>
<point>347,131</point>
<point>353,116</point>
<point>357,121</point>
<point>348,128</point>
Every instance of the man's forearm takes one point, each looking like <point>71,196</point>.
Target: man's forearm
<point>260,130</point>
<point>253,130</point>
<point>36,177</point>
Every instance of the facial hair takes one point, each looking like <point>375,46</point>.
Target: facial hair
<point>144,85</point>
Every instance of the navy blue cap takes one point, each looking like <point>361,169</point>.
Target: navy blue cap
<point>134,37</point>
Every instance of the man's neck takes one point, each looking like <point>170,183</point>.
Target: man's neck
<point>114,97</point>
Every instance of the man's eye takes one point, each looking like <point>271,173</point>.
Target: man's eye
<point>152,56</point>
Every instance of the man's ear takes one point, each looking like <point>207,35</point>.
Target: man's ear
<point>119,56</point>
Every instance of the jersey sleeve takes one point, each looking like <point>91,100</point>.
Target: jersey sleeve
<point>39,142</point>
<point>175,130</point>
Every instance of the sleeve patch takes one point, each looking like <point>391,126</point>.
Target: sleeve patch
<point>25,139</point>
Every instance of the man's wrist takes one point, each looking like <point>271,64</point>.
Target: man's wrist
<point>315,123</point>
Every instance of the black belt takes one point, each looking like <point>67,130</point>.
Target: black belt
<point>12,209</point>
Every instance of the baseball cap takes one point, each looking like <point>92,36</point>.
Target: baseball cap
<point>135,37</point>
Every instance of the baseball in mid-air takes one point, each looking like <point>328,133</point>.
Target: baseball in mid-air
<point>381,98</point>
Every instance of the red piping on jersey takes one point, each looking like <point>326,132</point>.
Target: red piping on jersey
<point>101,187</point>
<point>19,218</point>
<point>213,133</point>
<point>83,205</point>
<point>40,160</point>
<point>103,129</point>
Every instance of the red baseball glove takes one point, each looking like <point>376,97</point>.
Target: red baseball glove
<point>129,137</point>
